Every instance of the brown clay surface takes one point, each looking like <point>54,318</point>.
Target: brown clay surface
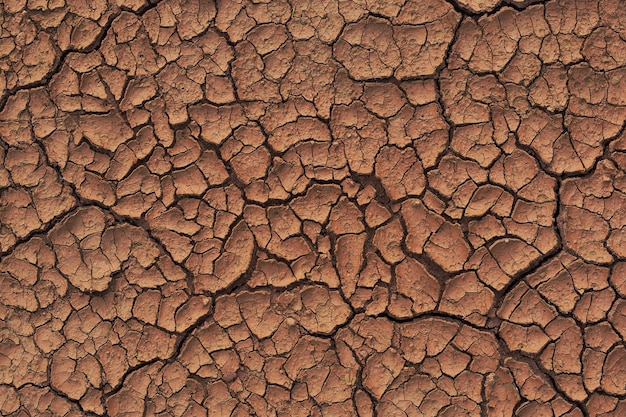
<point>292,208</point>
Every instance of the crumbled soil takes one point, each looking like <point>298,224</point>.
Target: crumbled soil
<point>292,208</point>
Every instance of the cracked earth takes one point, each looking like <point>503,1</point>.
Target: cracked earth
<point>296,208</point>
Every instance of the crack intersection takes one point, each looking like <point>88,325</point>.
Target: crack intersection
<point>294,208</point>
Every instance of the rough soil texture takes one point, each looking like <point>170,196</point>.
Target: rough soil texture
<point>292,208</point>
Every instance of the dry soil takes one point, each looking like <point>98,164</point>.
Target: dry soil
<point>328,208</point>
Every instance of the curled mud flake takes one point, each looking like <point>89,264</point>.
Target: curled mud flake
<point>383,99</point>
<point>414,282</point>
<point>400,172</point>
<point>423,48</point>
<point>466,296</point>
<point>420,222</point>
<point>336,208</point>
<point>368,49</point>
<point>448,248</point>
<point>604,49</point>
<point>586,233</point>
<point>310,18</point>
<point>106,131</point>
<point>349,255</point>
<point>501,392</point>
<point>361,135</point>
<point>324,311</point>
<point>217,123</point>
<point>480,6</point>
<point>316,203</point>
<point>476,142</point>
<point>301,130</point>
<point>235,259</point>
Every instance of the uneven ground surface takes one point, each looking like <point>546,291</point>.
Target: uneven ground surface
<point>327,208</point>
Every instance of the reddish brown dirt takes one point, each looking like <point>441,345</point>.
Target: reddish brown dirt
<point>292,208</point>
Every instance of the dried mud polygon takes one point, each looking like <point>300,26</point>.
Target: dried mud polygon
<point>290,208</point>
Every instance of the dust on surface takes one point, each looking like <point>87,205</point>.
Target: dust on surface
<point>312,208</point>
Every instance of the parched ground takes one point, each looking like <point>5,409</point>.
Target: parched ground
<point>291,208</point>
